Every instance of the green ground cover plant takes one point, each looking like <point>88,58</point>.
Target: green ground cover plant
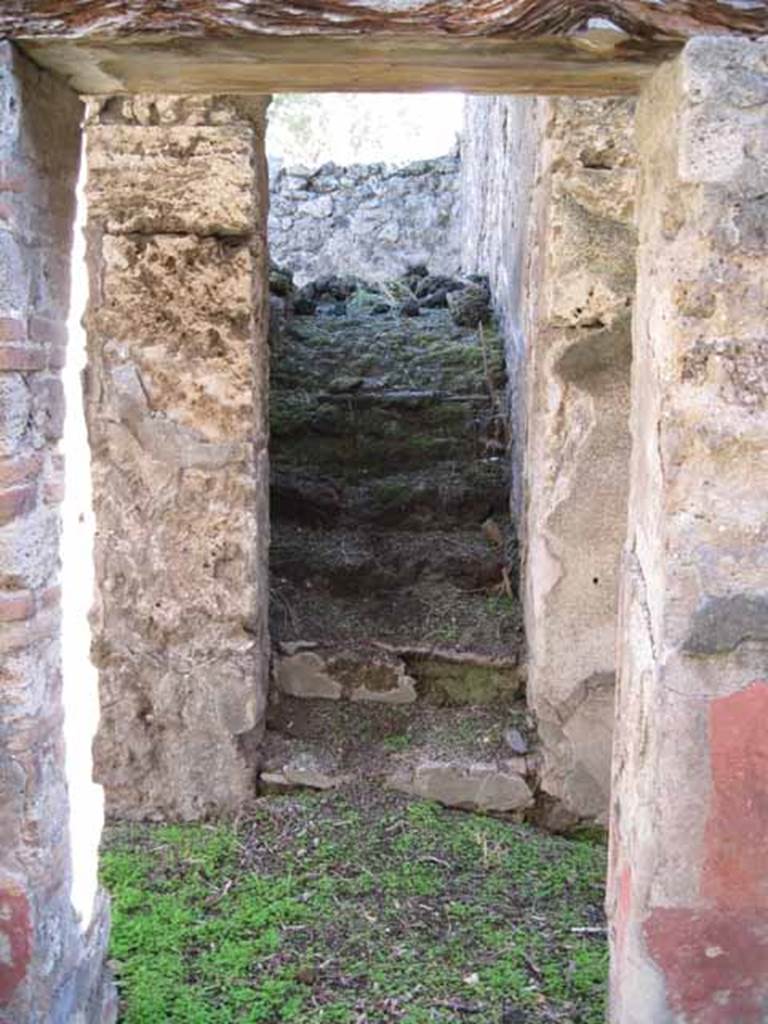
<point>355,908</point>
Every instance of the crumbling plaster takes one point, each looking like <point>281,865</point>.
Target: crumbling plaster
<point>548,212</point>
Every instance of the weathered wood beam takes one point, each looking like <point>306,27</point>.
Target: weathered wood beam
<point>357,64</point>
<point>202,46</point>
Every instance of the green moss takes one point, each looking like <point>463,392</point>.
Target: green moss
<point>426,352</point>
<point>322,910</point>
<point>397,743</point>
<point>291,413</point>
<point>389,493</point>
<point>500,605</point>
<point>446,683</point>
<point>349,456</point>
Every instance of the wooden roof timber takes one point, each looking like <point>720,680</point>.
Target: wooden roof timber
<point>542,46</point>
<point>516,19</point>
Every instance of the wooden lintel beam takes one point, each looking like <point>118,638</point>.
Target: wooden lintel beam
<point>361,64</point>
<point>502,46</point>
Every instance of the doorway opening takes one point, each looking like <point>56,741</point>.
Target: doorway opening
<point>397,697</point>
<point>395,616</point>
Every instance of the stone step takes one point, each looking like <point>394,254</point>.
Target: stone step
<point>468,758</point>
<point>349,442</point>
<point>432,587</point>
<point>352,560</point>
<point>354,393</point>
<point>387,674</point>
<point>336,354</point>
<point>499,786</point>
<point>444,495</point>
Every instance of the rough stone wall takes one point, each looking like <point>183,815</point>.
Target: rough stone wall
<point>367,219</point>
<point>176,404</point>
<point>555,232</point>
<point>497,185</point>
<point>688,898</point>
<point>50,963</point>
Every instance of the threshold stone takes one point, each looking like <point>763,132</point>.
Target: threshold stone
<point>473,787</point>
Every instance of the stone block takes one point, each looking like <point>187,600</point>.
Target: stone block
<point>306,768</point>
<point>17,501</point>
<point>16,605</point>
<point>28,550</point>
<point>712,132</point>
<point>49,282</point>
<point>12,329</point>
<point>578,297</point>
<point>686,896</point>
<point>22,468</point>
<point>29,674</point>
<point>380,679</point>
<point>14,279</point>
<point>47,395</point>
<point>15,409</point>
<point>515,740</point>
<point>22,357</point>
<point>181,744</point>
<point>367,676</point>
<point>305,675</point>
<point>478,787</point>
<point>548,208</point>
<point>44,331</point>
<point>183,179</point>
<point>185,352</point>
<point>403,691</point>
<point>176,407</point>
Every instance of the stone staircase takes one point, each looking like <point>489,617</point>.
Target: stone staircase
<point>396,626</point>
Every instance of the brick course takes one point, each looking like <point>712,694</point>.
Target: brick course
<point>16,605</point>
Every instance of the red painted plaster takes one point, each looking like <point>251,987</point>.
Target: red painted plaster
<point>621,887</point>
<point>715,963</point>
<point>735,872</point>
<point>715,957</point>
<point>15,938</point>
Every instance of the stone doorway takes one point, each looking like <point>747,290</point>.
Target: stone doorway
<point>435,437</point>
<point>689,692</point>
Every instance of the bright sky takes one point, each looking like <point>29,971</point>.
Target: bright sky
<point>363,127</point>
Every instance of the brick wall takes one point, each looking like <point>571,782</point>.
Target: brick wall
<point>51,968</point>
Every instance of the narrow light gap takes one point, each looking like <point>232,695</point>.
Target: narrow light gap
<point>80,677</point>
